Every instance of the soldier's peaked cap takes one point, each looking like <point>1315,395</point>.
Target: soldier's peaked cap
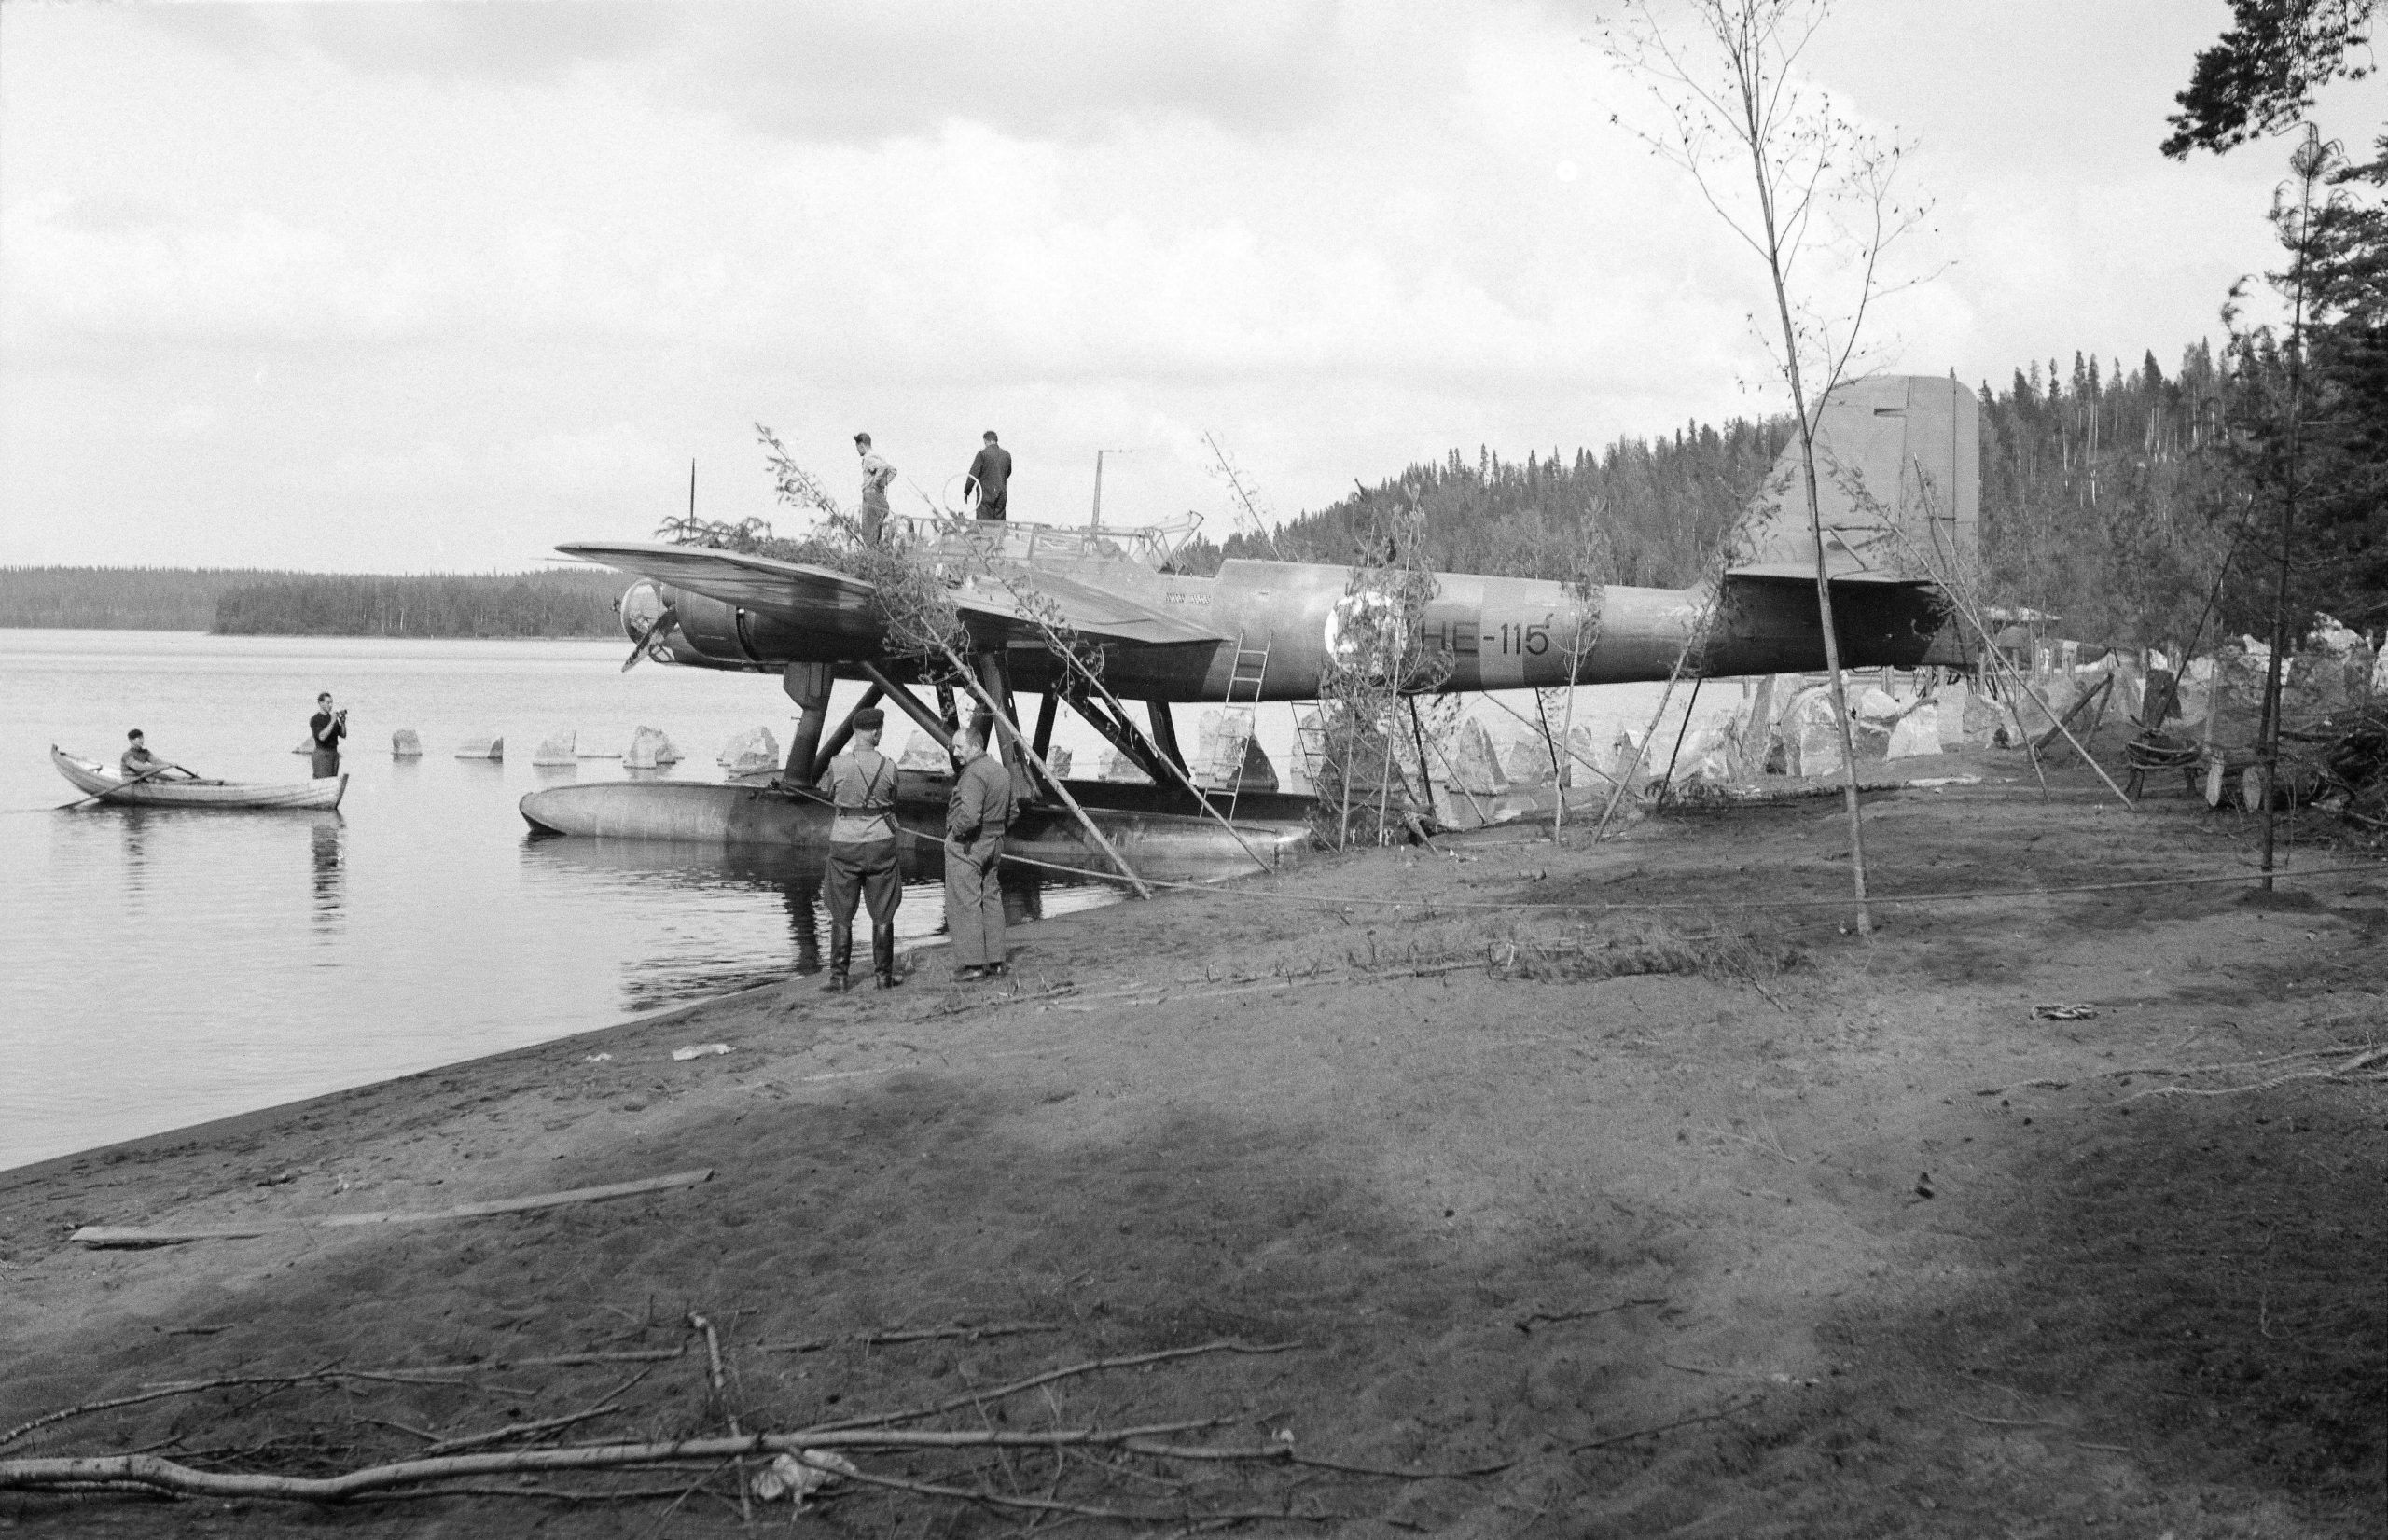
<point>870,719</point>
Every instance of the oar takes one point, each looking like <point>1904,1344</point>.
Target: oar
<point>144,775</point>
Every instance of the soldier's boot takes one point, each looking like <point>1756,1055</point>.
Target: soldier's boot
<point>841,962</point>
<point>883,956</point>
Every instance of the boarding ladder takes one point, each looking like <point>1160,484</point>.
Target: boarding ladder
<point>1309,745</point>
<point>1228,752</point>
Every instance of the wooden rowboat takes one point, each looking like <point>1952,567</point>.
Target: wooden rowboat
<point>97,780</point>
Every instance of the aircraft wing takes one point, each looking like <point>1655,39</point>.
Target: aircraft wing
<point>821,598</point>
<point>1091,610</point>
<point>795,592</point>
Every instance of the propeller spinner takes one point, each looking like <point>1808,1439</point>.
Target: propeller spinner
<point>645,616</point>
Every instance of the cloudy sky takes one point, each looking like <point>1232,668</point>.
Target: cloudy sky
<point>390,287</point>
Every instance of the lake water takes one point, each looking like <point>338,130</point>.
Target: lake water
<point>163,967</point>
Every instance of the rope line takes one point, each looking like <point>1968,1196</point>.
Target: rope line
<point>1325,900</point>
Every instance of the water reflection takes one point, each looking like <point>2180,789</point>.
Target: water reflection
<point>328,844</point>
<point>132,836</point>
<point>701,931</point>
<point>804,920</point>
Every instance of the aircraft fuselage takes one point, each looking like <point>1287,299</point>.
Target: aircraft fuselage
<point>1476,633</point>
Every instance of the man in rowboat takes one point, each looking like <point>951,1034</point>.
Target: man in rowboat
<point>138,762</point>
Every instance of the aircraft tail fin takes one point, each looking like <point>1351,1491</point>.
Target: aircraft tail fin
<point>1899,486</point>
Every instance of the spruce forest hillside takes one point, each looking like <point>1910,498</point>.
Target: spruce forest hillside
<point>1651,509</point>
<point>2109,496</point>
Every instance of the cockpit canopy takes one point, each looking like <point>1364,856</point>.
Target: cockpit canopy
<point>1154,546</point>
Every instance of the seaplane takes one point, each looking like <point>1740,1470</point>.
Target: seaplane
<point>1898,493</point>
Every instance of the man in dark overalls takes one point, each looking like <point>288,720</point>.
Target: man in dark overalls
<point>862,853</point>
<point>992,470</point>
<point>976,818</point>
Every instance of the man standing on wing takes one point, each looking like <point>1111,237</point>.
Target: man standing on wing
<point>975,820</point>
<point>875,476</point>
<point>992,470</point>
<point>325,729</point>
<point>862,853</point>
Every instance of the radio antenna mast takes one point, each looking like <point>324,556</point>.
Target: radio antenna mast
<point>1096,523</point>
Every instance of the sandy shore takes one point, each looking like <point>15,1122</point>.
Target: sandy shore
<point>1709,1220</point>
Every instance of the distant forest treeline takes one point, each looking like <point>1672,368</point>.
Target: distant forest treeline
<point>121,598</point>
<point>251,603</point>
<point>527,603</point>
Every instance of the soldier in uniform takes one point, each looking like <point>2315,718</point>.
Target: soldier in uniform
<point>876,475</point>
<point>861,781</point>
<point>975,820</point>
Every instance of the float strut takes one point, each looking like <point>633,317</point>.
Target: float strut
<point>808,685</point>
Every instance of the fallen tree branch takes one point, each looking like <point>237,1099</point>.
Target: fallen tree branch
<point>39,1473</point>
<point>1615,1438</point>
<point>163,1389</point>
<point>999,1392</point>
<point>552,1494</point>
<point>721,1399</point>
<point>133,1234</point>
<point>1314,1462</point>
<point>1081,1510</point>
<point>1527,1323</point>
<point>2329,1050</point>
<point>2334,1077</point>
<point>890,1338</point>
<point>607,1403</point>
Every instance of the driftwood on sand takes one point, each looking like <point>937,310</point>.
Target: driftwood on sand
<point>134,1235</point>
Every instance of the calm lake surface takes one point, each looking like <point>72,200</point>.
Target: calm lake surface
<point>164,966</point>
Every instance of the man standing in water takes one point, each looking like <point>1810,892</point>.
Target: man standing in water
<point>325,729</point>
<point>974,819</point>
<point>862,853</point>
<point>991,469</point>
<point>876,475</point>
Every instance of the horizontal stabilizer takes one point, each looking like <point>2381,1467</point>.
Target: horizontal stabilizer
<point>1793,572</point>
